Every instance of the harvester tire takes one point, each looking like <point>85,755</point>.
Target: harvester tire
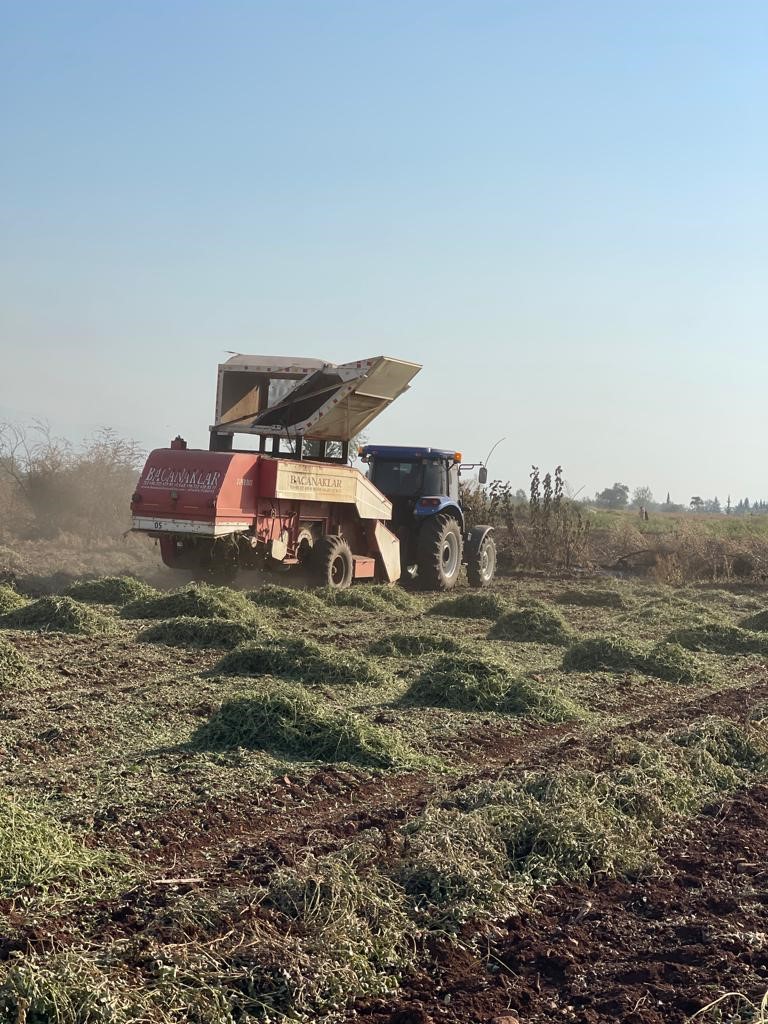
<point>440,553</point>
<point>333,565</point>
<point>481,564</point>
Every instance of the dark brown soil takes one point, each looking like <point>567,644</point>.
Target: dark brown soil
<point>648,951</point>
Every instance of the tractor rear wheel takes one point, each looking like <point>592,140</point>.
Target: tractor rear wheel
<point>440,551</point>
<point>332,561</point>
<point>481,565</point>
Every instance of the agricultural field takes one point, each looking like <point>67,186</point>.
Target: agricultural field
<point>542,802</point>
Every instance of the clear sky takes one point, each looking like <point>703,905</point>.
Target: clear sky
<point>559,207</point>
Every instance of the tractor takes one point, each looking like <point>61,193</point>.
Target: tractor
<point>288,497</point>
<point>427,516</point>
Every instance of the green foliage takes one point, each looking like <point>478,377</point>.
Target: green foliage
<point>488,851</point>
<point>593,598</point>
<point>113,590</point>
<point>352,922</point>
<point>299,659</point>
<point>286,599</point>
<point>58,614</point>
<point>757,622</point>
<point>16,672</point>
<point>474,605</point>
<point>532,624</point>
<point>413,644</point>
<point>369,598</point>
<point>476,684</point>
<point>720,639</point>
<point>36,851</point>
<point>10,600</point>
<point>291,720</point>
<point>197,600</point>
<point>187,631</point>
<point>666,661</point>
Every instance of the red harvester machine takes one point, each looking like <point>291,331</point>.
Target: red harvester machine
<point>293,501</point>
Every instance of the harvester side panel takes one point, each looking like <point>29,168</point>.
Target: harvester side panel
<point>196,492</point>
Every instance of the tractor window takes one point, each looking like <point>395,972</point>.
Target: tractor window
<point>398,478</point>
<point>409,479</point>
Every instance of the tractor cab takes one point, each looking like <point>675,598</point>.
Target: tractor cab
<point>423,486</point>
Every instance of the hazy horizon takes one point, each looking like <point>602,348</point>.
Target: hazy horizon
<point>558,208</point>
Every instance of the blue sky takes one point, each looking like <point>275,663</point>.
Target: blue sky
<point>559,208</point>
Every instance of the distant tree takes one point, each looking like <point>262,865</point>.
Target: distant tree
<point>520,495</point>
<point>728,507</point>
<point>696,503</point>
<point>642,496</point>
<point>712,505</point>
<point>614,497</point>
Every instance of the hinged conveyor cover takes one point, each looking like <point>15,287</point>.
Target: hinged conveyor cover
<point>329,403</point>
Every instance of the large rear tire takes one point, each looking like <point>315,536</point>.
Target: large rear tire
<point>440,552</point>
<point>332,563</point>
<point>481,565</point>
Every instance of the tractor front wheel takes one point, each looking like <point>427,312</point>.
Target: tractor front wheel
<point>332,558</point>
<point>440,552</point>
<point>481,564</point>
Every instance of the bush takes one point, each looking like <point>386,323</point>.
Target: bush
<point>58,614</point>
<point>533,624</point>
<point>114,590</point>
<point>299,659</point>
<point>198,601</point>
<point>291,720</point>
<point>475,605</point>
<point>188,631</point>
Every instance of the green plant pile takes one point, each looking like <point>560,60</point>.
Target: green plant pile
<point>666,661</point>
<point>476,684</point>
<point>593,598</point>
<point>188,631</point>
<point>303,660</point>
<point>290,720</point>
<point>673,609</point>
<point>197,600</point>
<point>58,614</point>
<point>758,622</point>
<point>532,624</point>
<point>16,672</point>
<point>10,599</point>
<point>286,599</point>
<point>113,590</point>
<point>37,851</point>
<point>720,639</point>
<point>474,605</point>
<point>368,598</point>
<point>410,644</point>
<point>489,851</point>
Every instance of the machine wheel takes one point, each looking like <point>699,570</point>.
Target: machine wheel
<point>440,551</point>
<point>333,563</point>
<point>481,566</point>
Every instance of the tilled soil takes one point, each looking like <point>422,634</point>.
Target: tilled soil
<point>654,950</point>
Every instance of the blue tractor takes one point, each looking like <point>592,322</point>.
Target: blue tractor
<point>423,486</point>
